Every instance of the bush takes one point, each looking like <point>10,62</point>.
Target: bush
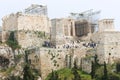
<point>12,42</point>
<point>118,66</point>
<point>114,76</point>
<point>69,74</point>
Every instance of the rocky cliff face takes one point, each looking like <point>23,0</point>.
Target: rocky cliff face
<point>8,65</point>
<point>6,56</point>
<point>7,53</point>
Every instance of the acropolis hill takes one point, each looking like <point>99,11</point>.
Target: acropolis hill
<point>53,44</point>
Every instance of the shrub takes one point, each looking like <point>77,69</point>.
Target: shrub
<point>12,42</point>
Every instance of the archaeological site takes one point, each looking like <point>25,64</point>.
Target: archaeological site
<point>32,44</point>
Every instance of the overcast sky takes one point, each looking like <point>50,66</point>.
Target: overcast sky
<point>62,8</point>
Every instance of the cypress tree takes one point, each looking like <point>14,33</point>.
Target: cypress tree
<point>93,70</point>
<point>105,76</point>
<point>28,75</point>
<point>26,57</point>
<point>27,71</point>
<point>95,65</point>
<point>12,42</point>
<point>70,61</point>
<point>75,72</point>
<point>76,75</point>
<point>65,78</point>
<point>96,61</point>
<point>54,75</point>
<point>118,67</point>
<point>75,65</point>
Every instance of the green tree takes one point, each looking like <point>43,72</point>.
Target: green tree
<point>75,72</point>
<point>70,62</point>
<point>26,57</point>
<point>114,76</point>
<point>12,42</point>
<point>95,66</point>
<point>96,61</point>
<point>93,70</point>
<point>54,75</point>
<point>76,75</point>
<point>65,78</point>
<point>28,74</point>
<point>75,65</point>
<point>118,67</point>
<point>105,76</point>
<point>14,78</point>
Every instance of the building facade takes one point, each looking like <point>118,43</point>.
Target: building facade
<point>106,25</point>
<point>82,28</point>
<point>61,30</point>
<point>108,42</point>
<point>28,27</point>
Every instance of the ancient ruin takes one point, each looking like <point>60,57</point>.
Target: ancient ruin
<point>107,40</point>
<point>27,27</point>
<point>57,43</point>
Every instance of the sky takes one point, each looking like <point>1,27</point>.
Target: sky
<point>62,8</point>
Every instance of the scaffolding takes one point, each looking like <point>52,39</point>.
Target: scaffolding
<point>36,9</point>
<point>89,15</point>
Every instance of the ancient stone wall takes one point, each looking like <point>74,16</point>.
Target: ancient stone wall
<point>108,46</point>
<point>51,59</point>
<point>21,21</point>
<point>48,59</point>
<point>86,64</point>
<point>10,22</point>
<point>61,29</point>
<point>55,59</point>
<point>106,25</point>
<point>112,46</point>
<point>34,23</point>
<point>29,28</point>
<point>30,38</point>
